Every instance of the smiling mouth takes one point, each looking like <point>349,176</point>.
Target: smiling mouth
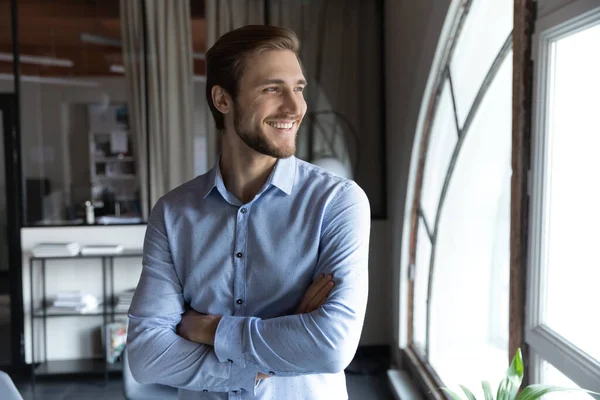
<point>284,127</point>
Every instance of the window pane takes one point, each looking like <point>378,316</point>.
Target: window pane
<point>420,288</point>
<point>77,143</point>
<point>439,153</point>
<point>572,191</point>
<point>552,376</point>
<point>472,249</point>
<point>485,30</point>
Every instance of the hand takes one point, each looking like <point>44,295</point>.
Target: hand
<point>316,294</point>
<point>199,328</point>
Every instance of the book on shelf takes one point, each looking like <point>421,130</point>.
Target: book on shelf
<point>78,301</point>
<point>101,249</point>
<point>114,336</point>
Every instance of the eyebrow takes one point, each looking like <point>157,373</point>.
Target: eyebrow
<point>281,82</point>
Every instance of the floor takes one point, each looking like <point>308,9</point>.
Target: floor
<point>5,341</point>
<point>365,376</point>
<point>360,387</point>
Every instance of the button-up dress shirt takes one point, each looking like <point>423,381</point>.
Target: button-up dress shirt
<point>252,263</point>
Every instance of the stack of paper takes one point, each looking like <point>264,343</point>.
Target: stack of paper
<point>78,301</point>
<point>56,249</point>
<point>124,301</point>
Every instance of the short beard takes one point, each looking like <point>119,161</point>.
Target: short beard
<point>256,141</point>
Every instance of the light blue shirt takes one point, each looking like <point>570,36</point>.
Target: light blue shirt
<point>252,264</point>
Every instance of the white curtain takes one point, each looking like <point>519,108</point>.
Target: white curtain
<point>161,97</point>
<point>221,17</point>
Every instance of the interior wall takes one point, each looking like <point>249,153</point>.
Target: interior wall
<point>412,29</point>
<point>377,329</point>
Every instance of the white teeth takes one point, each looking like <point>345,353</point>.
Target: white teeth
<point>281,126</point>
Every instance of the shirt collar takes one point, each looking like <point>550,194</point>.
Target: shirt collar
<point>282,177</point>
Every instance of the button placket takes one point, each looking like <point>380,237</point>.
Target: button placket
<point>240,257</point>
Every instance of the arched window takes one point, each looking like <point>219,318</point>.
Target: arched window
<point>460,208</point>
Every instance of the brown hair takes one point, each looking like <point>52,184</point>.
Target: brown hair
<point>225,60</point>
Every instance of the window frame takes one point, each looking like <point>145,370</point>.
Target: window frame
<point>568,18</point>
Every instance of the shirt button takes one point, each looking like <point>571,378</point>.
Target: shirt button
<point>239,255</point>
<point>239,301</point>
<point>243,211</point>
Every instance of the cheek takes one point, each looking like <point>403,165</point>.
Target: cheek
<point>259,110</point>
<point>303,107</point>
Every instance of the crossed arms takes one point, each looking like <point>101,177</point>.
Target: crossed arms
<point>220,354</point>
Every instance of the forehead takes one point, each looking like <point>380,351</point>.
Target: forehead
<point>269,65</point>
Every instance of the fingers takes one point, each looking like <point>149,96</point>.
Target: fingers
<point>320,297</point>
<point>311,292</point>
<point>318,285</point>
<point>316,294</point>
<point>260,376</point>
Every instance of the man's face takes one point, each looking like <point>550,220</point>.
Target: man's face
<point>270,103</point>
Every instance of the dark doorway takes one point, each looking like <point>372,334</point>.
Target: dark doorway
<point>11,289</point>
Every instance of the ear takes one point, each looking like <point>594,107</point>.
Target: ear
<point>221,99</point>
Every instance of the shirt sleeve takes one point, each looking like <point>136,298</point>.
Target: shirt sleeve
<point>155,352</point>
<point>325,340</point>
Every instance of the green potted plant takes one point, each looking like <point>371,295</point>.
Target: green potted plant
<point>509,387</point>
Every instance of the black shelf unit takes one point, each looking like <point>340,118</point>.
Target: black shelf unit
<point>41,366</point>
<point>50,312</point>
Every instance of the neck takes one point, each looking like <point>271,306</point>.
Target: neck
<point>244,171</point>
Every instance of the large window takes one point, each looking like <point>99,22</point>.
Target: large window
<point>563,327</point>
<point>461,207</point>
<point>460,260</point>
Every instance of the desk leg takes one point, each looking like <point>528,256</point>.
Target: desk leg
<point>31,308</point>
<point>44,310</point>
<point>112,288</point>
<point>105,319</point>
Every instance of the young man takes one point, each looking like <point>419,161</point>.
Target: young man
<point>254,281</point>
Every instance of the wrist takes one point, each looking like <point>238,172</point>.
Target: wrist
<point>208,329</point>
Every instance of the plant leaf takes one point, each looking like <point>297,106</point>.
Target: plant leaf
<point>508,388</point>
<point>452,394</point>
<point>469,394</point>
<point>487,390</point>
<point>533,392</point>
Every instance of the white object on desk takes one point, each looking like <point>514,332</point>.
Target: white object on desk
<point>101,249</point>
<point>108,219</point>
<point>68,249</point>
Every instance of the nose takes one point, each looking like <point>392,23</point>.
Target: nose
<point>293,103</point>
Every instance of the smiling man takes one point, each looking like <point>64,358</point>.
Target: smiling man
<point>254,281</point>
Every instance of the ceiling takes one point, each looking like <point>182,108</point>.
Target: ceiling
<point>53,28</point>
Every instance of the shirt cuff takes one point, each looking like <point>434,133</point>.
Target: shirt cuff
<point>243,378</point>
<point>229,340</point>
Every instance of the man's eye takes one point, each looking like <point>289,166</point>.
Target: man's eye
<point>300,89</point>
<point>271,89</point>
